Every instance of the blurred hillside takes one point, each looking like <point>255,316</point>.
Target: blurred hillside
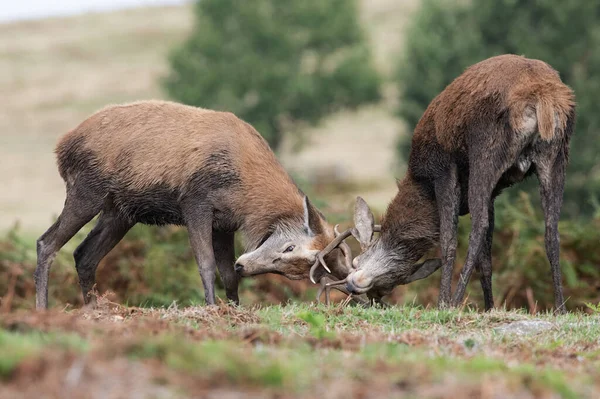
<point>60,70</point>
<point>57,73</point>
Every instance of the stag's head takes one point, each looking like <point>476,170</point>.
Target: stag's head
<point>384,262</point>
<point>292,247</point>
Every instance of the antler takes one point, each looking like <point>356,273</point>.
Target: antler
<point>339,282</point>
<point>345,248</point>
<point>326,288</point>
<point>332,245</point>
<point>338,242</point>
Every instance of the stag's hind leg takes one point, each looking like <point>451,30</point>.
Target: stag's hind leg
<point>78,210</point>
<point>109,230</point>
<point>551,169</point>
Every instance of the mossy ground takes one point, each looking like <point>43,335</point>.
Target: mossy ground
<point>298,350</point>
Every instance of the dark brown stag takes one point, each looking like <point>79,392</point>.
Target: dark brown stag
<point>502,120</point>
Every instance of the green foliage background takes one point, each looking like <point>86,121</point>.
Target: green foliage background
<point>446,36</point>
<point>273,63</point>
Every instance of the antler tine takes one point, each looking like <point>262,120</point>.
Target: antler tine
<point>321,256</point>
<point>323,288</point>
<point>311,274</point>
<point>336,232</point>
<point>334,283</point>
<point>326,288</point>
<point>345,248</point>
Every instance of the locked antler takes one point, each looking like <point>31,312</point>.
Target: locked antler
<point>338,241</point>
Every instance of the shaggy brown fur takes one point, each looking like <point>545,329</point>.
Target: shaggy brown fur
<point>158,162</point>
<point>411,220</point>
<point>138,146</point>
<point>502,120</point>
<point>491,88</point>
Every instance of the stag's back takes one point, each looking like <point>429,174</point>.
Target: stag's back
<point>159,142</point>
<point>137,149</point>
<point>528,91</point>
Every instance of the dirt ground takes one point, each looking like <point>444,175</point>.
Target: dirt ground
<point>297,350</point>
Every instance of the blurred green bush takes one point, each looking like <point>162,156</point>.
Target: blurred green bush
<point>446,36</point>
<point>273,63</point>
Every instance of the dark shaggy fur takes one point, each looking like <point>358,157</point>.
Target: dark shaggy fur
<point>502,120</point>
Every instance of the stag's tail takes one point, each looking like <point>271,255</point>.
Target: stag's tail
<point>553,112</point>
<point>554,105</point>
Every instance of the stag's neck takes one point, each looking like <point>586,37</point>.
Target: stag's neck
<point>410,225</point>
<point>257,227</point>
<point>269,200</point>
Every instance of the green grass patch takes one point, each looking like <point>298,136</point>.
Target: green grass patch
<point>298,368</point>
<point>390,320</point>
<point>16,347</point>
<point>400,351</point>
<point>317,324</point>
<point>231,360</point>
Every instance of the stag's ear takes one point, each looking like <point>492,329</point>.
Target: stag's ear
<point>312,218</point>
<point>422,270</point>
<point>363,223</point>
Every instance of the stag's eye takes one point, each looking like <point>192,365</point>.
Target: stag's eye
<point>289,249</point>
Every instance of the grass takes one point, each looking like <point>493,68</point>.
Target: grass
<point>301,349</point>
<point>229,360</point>
<point>299,369</point>
<point>18,347</point>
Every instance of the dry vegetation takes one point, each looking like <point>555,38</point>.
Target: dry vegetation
<point>297,351</point>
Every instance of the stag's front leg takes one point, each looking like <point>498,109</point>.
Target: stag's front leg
<point>485,262</point>
<point>447,193</point>
<point>482,181</point>
<point>199,223</point>
<point>224,250</point>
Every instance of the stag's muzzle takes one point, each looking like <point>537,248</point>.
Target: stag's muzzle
<point>359,282</point>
